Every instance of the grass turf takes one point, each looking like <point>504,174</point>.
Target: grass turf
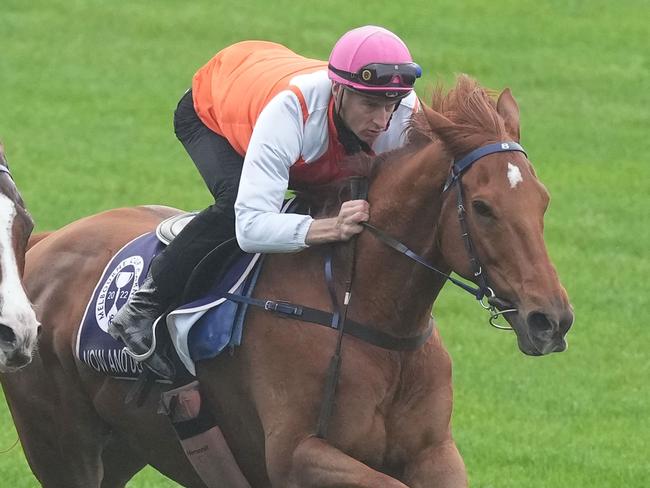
<point>87,91</point>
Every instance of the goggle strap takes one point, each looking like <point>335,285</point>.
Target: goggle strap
<point>349,76</point>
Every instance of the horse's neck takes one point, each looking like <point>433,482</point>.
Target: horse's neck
<point>392,292</point>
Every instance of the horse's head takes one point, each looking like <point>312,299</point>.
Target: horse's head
<point>504,206</point>
<point>18,324</point>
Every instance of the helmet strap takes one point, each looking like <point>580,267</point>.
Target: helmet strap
<point>397,104</point>
<point>338,101</point>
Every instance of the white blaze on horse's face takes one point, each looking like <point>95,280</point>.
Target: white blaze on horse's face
<point>18,324</point>
<point>514,175</point>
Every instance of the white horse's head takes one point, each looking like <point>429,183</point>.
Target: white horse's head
<point>18,324</point>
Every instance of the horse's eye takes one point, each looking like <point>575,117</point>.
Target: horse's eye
<point>482,208</point>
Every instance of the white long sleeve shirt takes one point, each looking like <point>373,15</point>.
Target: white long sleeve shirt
<point>293,129</point>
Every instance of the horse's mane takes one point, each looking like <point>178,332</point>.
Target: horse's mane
<point>468,105</point>
<point>472,109</point>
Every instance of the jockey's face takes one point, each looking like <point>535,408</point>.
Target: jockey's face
<point>365,115</point>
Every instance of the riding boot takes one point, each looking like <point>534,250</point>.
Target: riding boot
<point>133,324</point>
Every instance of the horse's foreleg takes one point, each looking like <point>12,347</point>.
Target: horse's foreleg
<point>121,463</point>
<point>62,436</point>
<point>316,464</point>
<point>437,466</point>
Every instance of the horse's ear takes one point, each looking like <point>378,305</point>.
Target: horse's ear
<point>436,120</point>
<point>508,109</point>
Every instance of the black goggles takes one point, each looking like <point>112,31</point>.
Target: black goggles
<point>380,74</point>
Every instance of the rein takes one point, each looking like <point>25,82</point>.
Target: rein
<point>5,451</point>
<point>358,190</point>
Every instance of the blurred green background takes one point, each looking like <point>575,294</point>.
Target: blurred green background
<point>87,92</point>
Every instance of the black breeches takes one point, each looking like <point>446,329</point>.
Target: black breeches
<point>220,166</point>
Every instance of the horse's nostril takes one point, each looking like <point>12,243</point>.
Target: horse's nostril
<point>540,323</point>
<point>7,334</point>
<point>566,321</point>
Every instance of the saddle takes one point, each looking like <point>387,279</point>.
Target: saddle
<point>172,226</point>
<point>203,296</point>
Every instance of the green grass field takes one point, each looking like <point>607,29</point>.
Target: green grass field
<point>87,90</point>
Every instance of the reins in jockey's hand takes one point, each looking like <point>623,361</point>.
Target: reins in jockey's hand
<point>358,191</point>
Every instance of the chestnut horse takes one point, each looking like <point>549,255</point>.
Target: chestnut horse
<point>390,426</point>
<point>18,324</point>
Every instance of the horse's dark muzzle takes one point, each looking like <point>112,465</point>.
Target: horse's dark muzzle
<point>547,330</point>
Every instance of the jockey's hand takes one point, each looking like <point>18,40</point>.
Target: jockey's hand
<point>341,227</point>
<point>352,213</point>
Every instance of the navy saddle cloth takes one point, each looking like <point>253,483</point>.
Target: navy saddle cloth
<point>200,329</point>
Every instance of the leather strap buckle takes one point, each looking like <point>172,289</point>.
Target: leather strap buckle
<point>282,307</point>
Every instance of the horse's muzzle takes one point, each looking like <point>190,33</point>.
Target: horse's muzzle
<point>546,330</point>
<point>15,352</point>
<point>7,337</point>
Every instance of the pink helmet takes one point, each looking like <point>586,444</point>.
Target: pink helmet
<point>374,61</point>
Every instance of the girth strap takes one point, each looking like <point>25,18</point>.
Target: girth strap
<point>320,317</point>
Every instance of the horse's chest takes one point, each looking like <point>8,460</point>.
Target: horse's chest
<point>380,417</point>
<point>359,426</point>
<point>360,418</point>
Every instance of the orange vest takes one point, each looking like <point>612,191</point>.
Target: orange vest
<point>231,90</point>
<point>326,168</point>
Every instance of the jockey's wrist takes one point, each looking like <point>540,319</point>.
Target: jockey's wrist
<point>322,231</point>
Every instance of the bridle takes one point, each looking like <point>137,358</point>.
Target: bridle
<point>484,294</point>
<point>16,199</point>
<point>493,304</point>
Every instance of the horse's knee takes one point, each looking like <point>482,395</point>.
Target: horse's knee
<point>293,464</point>
<point>313,462</point>
<point>439,465</point>
<point>280,461</point>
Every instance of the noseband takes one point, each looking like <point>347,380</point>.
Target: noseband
<point>484,294</point>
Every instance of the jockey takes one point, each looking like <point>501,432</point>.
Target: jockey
<point>260,119</point>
